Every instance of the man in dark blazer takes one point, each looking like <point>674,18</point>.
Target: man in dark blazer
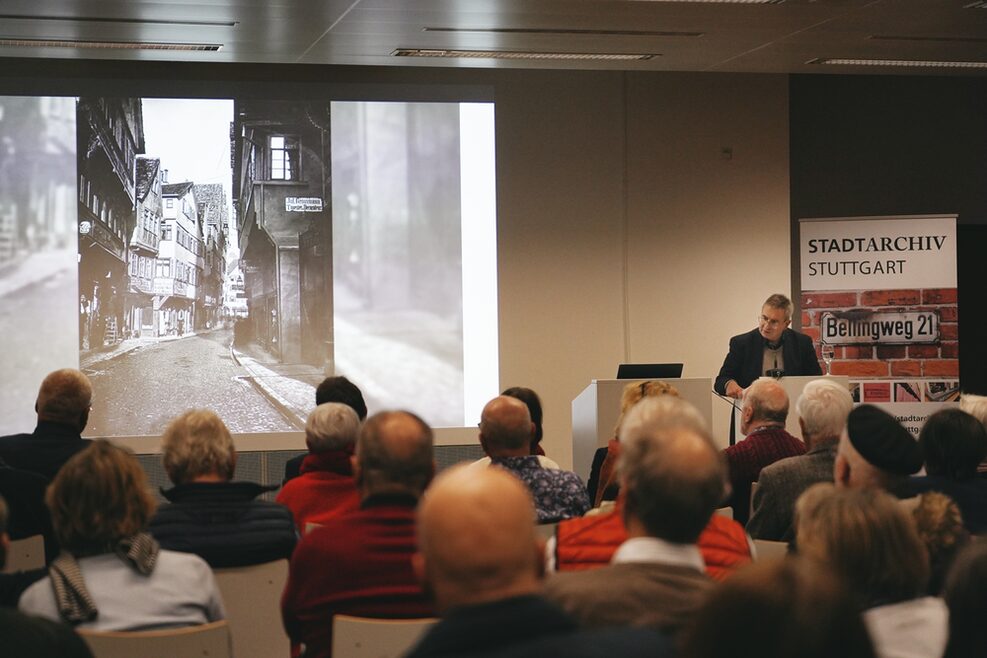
<point>771,349</point>
<point>480,559</point>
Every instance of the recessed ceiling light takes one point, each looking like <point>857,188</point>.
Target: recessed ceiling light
<point>728,2</point>
<point>907,63</point>
<point>564,31</point>
<point>109,19</point>
<point>516,54</point>
<point>108,45</point>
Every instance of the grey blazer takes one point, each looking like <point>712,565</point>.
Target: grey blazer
<point>780,485</point>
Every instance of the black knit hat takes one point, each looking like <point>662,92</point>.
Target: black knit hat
<point>882,441</point>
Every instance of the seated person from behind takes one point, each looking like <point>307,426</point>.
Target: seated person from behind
<point>12,585</point>
<point>332,389</point>
<point>63,411</point>
<point>112,575</point>
<point>325,487</point>
<point>218,520</point>
<point>505,435</point>
<point>533,402</point>
<point>823,408</point>
<point>478,556</point>
<point>763,419</point>
<point>954,444</point>
<point>359,563</point>
<point>672,478</point>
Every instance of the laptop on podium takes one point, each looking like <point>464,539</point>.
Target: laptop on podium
<point>649,371</point>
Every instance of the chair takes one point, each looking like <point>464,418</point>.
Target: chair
<point>765,549</point>
<point>206,641</point>
<point>362,637</point>
<point>252,598</point>
<point>26,554</point>
<point>546,530</point>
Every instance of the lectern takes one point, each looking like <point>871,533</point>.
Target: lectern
<point>596,409</point>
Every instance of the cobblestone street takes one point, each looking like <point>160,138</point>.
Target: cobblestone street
<point>139,392</point>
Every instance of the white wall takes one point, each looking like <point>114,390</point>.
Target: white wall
<point>624,232</point>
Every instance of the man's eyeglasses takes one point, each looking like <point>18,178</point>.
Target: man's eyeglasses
<point>763,319</point>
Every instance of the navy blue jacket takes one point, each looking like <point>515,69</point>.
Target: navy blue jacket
<point>222,523</point>
<point>745,360</point>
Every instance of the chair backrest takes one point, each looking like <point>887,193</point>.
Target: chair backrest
<point>546,530</point>
<point>26,554</point>
<point>252,598</point>
<point>770,550</point>
<point>361,637</point>
<point>204,641</point>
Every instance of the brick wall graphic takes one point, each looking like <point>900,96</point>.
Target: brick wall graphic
<point>892,374</point>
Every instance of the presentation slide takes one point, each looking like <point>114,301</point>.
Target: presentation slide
<point>232,253</point>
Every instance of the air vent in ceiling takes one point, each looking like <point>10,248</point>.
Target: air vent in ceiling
<point>516,54</point>
<point>563,31</point>
<point>108,45</point>
<point>904,63</point>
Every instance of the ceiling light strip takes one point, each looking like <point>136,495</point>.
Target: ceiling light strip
<point>563,31</point>
<point>106,19</point>
<point>514,54</point>
<point>108,45</point>
<point>906,63</point>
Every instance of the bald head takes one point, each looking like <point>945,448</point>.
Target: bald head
<point>765,403</point>
<point>476,538</point>
<point>394,454</point>
<point>64,397</point>
<point>506,428</point>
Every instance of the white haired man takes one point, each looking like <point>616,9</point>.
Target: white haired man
<point>823,408</point>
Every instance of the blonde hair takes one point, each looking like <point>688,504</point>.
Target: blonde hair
<point>197,443</point>
<point>99,497</point>
<point>637,391</point>
<point>867,537</point>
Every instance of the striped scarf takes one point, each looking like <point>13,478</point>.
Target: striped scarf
<point>75,604</point>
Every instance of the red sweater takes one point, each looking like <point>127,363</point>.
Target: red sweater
<point>356,564</point>
<point>762,447</point>
<point>590,542</point>
<point>324,489</point>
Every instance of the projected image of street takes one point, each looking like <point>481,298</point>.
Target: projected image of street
<point>38,293</point>
<point>233,253</point>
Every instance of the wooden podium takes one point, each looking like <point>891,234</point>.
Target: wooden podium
<point>596,409</point>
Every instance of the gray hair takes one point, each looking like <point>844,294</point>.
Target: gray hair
<point>331,426</point>
<point>673,477</point>
<point>823,407</point>
<point>975,405</point>
<point>197,443</point>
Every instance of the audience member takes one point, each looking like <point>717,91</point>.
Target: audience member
<point>869,539</point>
<point>218,520</point>
<point>762,420</point>
<point>966,597</point>
<point>359,563</point>
<point>954,444</point>
<point>63,410</point>
<point>779,609</point>
<point>24,636</point>
<point>28,515</point>
<point>332,389</point>
<point>533,402</point>
<point>602,484</point>
<point>940,527</point>
<point>823,408</point>
<point>876,451</point>
<point>12,585</point>
<point>111,574</point>
<point>505,435</point>
<point>672,478</point>
<point>325,487</point>
<point>975,405</point>
<point>480,559</point>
